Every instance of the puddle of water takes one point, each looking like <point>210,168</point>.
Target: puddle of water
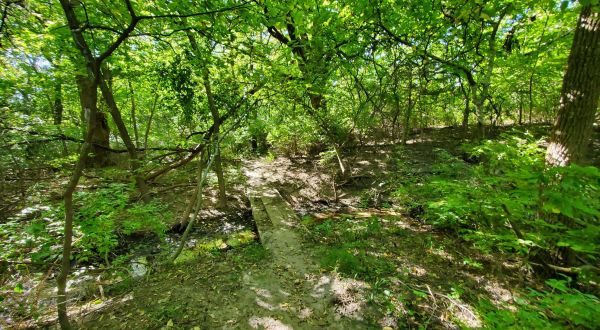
<point>224,228</point>
<point>38,291</point>
<point>139,267</point>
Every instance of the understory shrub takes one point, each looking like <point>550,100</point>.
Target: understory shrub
<point>102,218</point>
<point>558,308</point>
<point>106,214</point>
<point>511,201</point>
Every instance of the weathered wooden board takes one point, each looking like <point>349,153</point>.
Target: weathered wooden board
<point>276,223</point>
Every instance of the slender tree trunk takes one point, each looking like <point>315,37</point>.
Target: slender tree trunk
<point>579,95</point>
<point>397,108</point>
<point>530,98</point>
<point>131,149</point>
<point>149,124</point>
<point>216,118</point>
<point>409,109</point>
<point>88,95</point>
<point>58,110</point>
<point>212,107</point>
<point>58,104</point>
<point>136,134</point>
<point>486,80</point>
<point>397,111</point>
<point>96,125</point>
<point>478,102</point>
<point>204,164</point>
<point>520,109</point>
<point>533,67</point>
<point>318,104</point>
<point>253,134</point>
<point>467,111</point>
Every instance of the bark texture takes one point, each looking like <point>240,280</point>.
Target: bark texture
<point>579,95</point>
<point>216,118</point>
<point>212,106</point>
<point>115,113</point>
<point>88,96</point>
<point>58,104</point>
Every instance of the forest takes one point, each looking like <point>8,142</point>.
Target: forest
<point>297,164</point>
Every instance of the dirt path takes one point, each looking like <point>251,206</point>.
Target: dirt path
<point>244,288</point>
<point>290,293</point>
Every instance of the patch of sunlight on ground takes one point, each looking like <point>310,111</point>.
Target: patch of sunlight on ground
<point>268,323</point>
<point>463,313</point>
<point>442,253</point>
<point>347,293</point>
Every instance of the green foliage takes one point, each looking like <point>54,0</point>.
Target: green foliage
<point>38,240</point>
<point>351,246</point>
<point>254,252</point>
<point>96,221</point>
<point>178,76</point>
<point>352,263</point>
<point>145,218</point>
<point>510,190</point>
<point>105,214</point>
<point>555,309</point>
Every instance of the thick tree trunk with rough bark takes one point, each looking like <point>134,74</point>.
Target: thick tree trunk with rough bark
<point>88,94</point>
<point>579,95</point>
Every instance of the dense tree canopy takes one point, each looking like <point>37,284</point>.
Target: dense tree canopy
<point>138,91</point>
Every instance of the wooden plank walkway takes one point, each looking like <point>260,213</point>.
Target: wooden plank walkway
<point>277,225</point>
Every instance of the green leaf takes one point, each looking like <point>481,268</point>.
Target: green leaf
<point>419,293</point>
<point>19,288</point>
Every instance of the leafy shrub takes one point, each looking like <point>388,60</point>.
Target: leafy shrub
<point>96,220</point>
<point>358,264</point>
<point>511,201</point>
<point>560,308</point>
<point>106,214</point>
<point>145,218</point>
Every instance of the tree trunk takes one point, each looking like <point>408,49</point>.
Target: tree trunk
<point>579,95</point>
<point>478,102</point>
<point>131,149</point>
<point>409,109</point>
<point>467,111</point>
<point>136,134</point>
<point>397,108</point>
<point>533,67</point>
<point>486,79</point>
<point>96,130</point>
<point>215,115</point>
<point>318,105</point>
<point>253,134</point>
<point>57,114</point>
<point>212,107</point>
<point>58,105</point>
<point>99,127</point>
<point>530,98</point>
<point>520,109</point>
<point>88,97</point>
<point>149,124</point>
